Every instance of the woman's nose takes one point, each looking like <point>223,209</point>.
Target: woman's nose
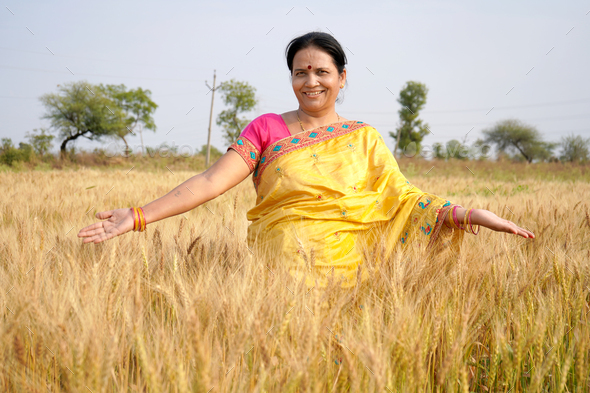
<point>311,81</point>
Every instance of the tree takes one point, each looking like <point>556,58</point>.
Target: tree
<point>137,107</point>
<point>239,97</point>
<point>82,110</point>
<point>10,154</point>
<point>456,149</point>
<point>438,151</point>
<point>40,141</point>
<point>412,98</point>
<point>575,148</point>
<point>519,138</point>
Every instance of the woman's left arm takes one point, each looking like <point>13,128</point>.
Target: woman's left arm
<point>487,219</point>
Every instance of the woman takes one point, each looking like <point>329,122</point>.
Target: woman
<point>328,188</point>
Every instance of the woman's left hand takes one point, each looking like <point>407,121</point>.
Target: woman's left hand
<point>489,220</point>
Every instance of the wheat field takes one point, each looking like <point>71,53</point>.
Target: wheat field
<point>185,306</point>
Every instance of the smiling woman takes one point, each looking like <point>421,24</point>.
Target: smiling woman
<point>328,190</point>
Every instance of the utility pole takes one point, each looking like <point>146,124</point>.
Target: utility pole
<point>212,90</point>
<point>141,136</point>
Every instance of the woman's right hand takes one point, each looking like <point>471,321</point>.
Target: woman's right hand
<point>117,222</point>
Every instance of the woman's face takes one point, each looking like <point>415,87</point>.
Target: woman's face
<point>316,87</point>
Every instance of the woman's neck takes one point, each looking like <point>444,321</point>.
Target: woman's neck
<point>317,119</point>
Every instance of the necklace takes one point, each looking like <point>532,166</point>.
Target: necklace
<point>301,124</point>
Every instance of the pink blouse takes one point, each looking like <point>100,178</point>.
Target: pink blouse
<point>258,135</point>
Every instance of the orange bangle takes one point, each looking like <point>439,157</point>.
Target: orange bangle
<point>135,219</point>
<point>142,223</point>
<point>139,222</point>
<point>467,212</point>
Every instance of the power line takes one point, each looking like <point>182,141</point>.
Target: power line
<point>86,74</point>
<point>24,98</point>
<point>105,60</point>
<point>425,111</point>
<point>555,103</point>
<point>553,118</point>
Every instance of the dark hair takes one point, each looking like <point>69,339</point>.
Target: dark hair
<point>323,41</point>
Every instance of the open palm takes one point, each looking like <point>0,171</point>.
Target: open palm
<point>117,222</point>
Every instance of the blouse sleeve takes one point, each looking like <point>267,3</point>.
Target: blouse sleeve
<point>249,143</point>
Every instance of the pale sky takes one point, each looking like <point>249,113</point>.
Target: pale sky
<point>527,60</point>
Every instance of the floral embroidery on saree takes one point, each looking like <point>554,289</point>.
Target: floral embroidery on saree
<point>302,140</point>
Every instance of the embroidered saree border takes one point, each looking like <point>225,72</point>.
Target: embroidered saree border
<point>426,219</point>
<point>247,151</point>
<point>301,140</point>
<point>442,215</point>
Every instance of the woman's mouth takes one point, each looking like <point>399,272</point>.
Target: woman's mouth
<point>313,93</point>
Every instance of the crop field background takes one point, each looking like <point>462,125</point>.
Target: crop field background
<point>186,307</point>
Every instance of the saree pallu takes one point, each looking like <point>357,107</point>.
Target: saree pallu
<point>327,196</point>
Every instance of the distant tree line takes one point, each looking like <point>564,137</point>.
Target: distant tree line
<point>517,141</point>
<point>511,138</point>
<point>95,112</point>
<point>98,112</point>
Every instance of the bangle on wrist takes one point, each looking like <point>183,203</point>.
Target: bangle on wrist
<point>455,219</point>
<point>465,218</point>
<point>139,222</point>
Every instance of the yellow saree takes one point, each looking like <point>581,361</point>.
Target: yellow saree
<point>326,197</point>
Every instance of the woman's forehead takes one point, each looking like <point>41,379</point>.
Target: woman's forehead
<point>312,56</point>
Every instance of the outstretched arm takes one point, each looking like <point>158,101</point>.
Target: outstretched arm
<point>224,174</point>
<point>487,219</point>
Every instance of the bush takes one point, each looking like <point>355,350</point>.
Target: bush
<point>575,148</point>
<point>10,154</point>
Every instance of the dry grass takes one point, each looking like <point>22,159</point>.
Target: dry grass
<point>185,306</point>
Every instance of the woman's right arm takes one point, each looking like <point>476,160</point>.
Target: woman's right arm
<point>224,174</point>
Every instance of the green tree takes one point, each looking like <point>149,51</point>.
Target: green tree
<point>514,136</point>
<point>412,99</point>
<point>10,154</point>
<point>575,148</point>
<point>40,140</point>
<point>26,151</point>
<point>137,106</point>
<point>238,97</point>
<point>481,150</point>
<point>455,149</point>
<point>82,110</point>
<point>438,151</point>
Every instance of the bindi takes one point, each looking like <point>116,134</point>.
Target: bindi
<point>309,67</point>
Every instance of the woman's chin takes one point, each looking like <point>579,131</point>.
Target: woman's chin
<point>312,105</point>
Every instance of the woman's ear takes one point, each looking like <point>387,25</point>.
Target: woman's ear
<point>343,77</point>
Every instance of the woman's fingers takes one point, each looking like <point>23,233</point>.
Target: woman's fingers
<point>89,239</point>
<point>528,233</point>
<point>97,238</point>
<point>90,228</point>
<point>97,227</point>
<point>94,232</point>
<point>515,229</point>
<point>101,238</point>
<point>104,215</point>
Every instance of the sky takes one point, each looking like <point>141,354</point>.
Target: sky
<point>481,61</point>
